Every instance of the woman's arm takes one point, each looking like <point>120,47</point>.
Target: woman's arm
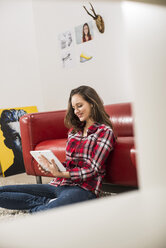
<point>96,157</point>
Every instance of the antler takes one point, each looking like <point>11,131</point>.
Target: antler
<point>95,16</point>
<point>89,13</point>
<point>93,10</point>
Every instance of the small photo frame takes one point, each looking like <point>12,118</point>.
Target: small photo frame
<point>84,32</point>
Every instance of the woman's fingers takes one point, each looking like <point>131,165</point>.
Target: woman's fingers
<point>42,170</point>
<point>48,165</point>
<point>54,164</point>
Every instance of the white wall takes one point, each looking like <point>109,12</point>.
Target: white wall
<point>31,71</point>
<point>106,72</point>
<point>19,70</point>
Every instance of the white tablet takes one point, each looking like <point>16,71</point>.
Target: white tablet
<point>49,155</point>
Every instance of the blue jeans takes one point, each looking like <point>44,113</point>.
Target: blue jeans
<point>38,197</point>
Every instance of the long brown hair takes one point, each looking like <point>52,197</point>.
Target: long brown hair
<point>83,34</point>
<point>98,113</point>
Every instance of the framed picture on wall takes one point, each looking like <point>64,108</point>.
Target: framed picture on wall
<point>11,158</point>
<point>84,32</point>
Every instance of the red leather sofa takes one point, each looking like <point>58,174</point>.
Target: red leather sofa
<point>46,130</point>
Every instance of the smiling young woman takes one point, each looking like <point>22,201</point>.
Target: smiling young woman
<point>90,140</point>
<point>89,99</point>
<point>82,109</point>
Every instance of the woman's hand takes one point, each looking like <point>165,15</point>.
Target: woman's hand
<point>51,167</point>
<point>47,166</point>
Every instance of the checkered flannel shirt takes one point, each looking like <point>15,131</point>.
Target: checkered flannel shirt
<point>86,156</point>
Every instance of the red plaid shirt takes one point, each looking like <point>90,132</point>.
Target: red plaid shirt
<point>86,156</point>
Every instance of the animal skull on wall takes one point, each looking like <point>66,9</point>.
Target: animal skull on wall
<point>97,18</point>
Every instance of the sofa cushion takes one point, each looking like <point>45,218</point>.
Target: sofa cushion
<point>57,146</point>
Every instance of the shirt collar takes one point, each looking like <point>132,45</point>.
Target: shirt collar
<point>93,128</point>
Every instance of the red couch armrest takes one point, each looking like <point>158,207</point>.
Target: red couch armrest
<point>38,127</point>
<point>133,155</point>
<point>119,167</point>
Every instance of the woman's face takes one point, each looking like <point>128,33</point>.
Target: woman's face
<point>82,108</point>
<point>86,29</point>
